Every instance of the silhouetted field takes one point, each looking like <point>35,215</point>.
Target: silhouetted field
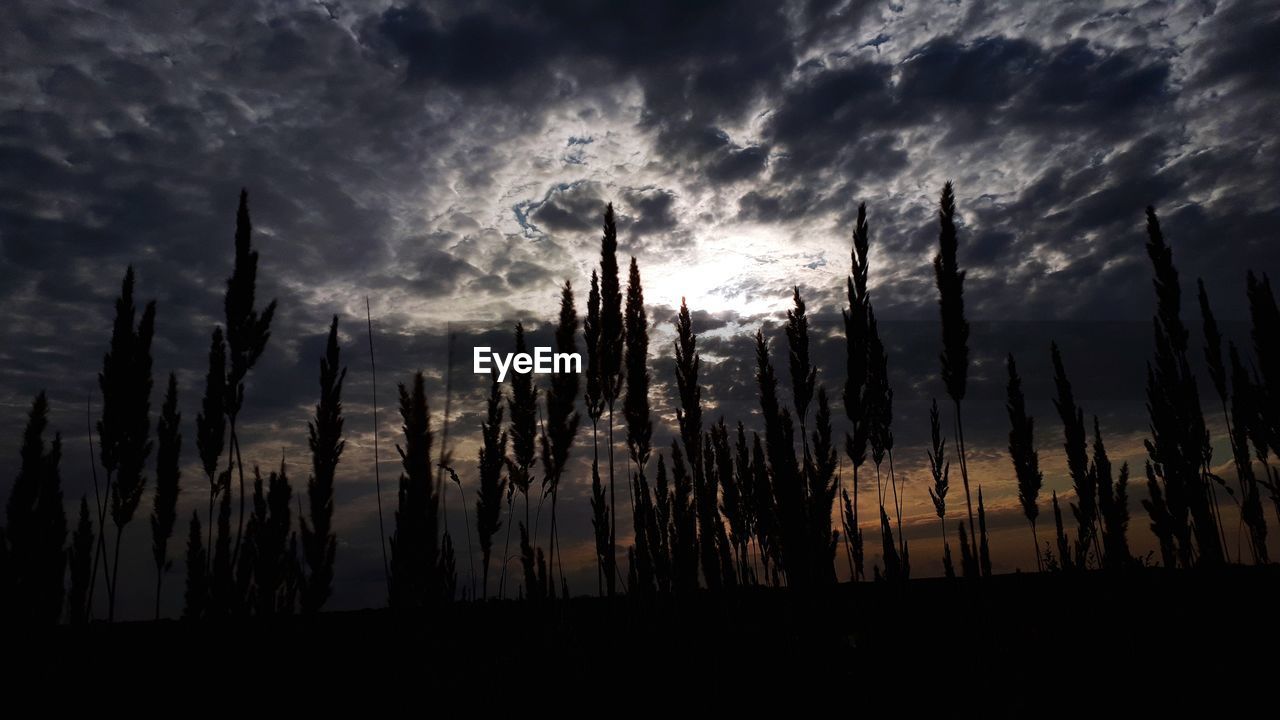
<point>1010,645</point>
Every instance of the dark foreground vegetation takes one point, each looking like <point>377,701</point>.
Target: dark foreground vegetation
<point>1023,645</point>
<point>726,566</point>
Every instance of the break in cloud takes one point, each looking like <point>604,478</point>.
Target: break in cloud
<point>451,163</point>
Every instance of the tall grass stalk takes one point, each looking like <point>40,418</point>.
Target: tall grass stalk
<point>164,508</point>
<point>955,328</point>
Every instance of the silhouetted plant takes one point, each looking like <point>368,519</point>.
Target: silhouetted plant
<point>211,429</point>
<point>562,418</point>
<point>879,407</point>
<point>1022,450</point>
<point>1060,535</point>
<point>523,432</point>
<point>319,543</point>
<point>735,484</point>
<point>635,409</point>
<point>225,596</point>
<point>535,568</point>
<point>955,328</point>
<point>493,483</point>
<point>1265,430</point>
<point>271,546</point>
<point>819,464</point>
<point>804,376</point>
<point>35,536</point>
<point>610,353</point>
<point>822,493</point>
<point>1250,504</point>
<point>719,471</point>
<point>164,513</point>
<point>788,486</point>
<point>684,525</point>
<point>594,399</point>
<point>893,569</point>
<point>689,419</point>
<point>1085,508</point>
<point>855,328</point>
<point>1113,504</point>
<point>940,469</point>
<point>1179,447</point>
<point>968,558</point>
<point>80,564</point>
<point>124,430</point>
<point>247,335</point>
<point>197,593</point>
<point>414,544</point>
<point>1242,406</point>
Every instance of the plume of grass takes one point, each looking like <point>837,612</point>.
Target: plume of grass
<point>1250,504</point>
<point>689,419</point>
<point>535,568</point>
<point>720,470</point>
<point>1178,449</point>
<point>879,404</point>
<point>818,465</point>
<point>744,497</point>
<point>789,500</point>
<point>324,436</point>
<point>684,525</point>
<point>493,483</point>
<point>414,544</point>
<point>940,470</point>
<point>804,375</point>
<point>1113,504</point>
<point>562,419</point>
<point>1060,536</point>
<point>822,492</point>
<point>248,331</point>
<point>523,433</point>
<point>662,531</point>
<point>124,430</point>
<point>36,532</point>
<point>734,468</point>
<point>197,592</point>
<point>1242,406</point>
<point>269,545</point>
<point>164,512</point>
<point>855,330</point>
<point>1022,450</point>
<point>955,328</point>
<point>968,558</point>
<point>893,570</point>
<point>606,566</point>
<point>211,431</point>
<point>1265,423</point>
<point>446,569</point>
<point>594,398</point>
<point>1163,523</point>
<point>80,565</point>
<point>224,595</point>
<point>1085,508</point>
<point>610,362</point>
<point>635,410</point>
<point>766,522</point>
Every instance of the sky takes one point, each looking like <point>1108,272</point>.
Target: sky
<point>451,162</point>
